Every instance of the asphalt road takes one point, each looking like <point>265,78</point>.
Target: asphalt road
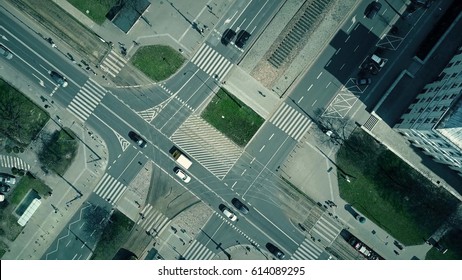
<point>157,112</point>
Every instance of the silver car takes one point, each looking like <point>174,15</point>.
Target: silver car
<point>5,52</point>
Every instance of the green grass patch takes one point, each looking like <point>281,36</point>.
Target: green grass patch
<point>157,62</point>
<point>27,183</point>
<point>59,150</point>
<point>21,119</point>
<point>232,117</point>
<point>114,236</point>
<point>97,9</point>
<point>390,192</point>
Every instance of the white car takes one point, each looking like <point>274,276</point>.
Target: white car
<point>8,179</point>
<point>182,175</point>
<point>228,213</point>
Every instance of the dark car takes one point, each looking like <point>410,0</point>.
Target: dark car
<point>372,9</point>
<point>240,206</point>
<point>275,251</point>
<point>58,78</point>
<point>363,81</point>
<point>4,188</point>
<point>137,139</point>
<point>242,38</point>
<point>398,245</point>
<point>228,36</point>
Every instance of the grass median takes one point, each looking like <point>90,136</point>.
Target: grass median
<point>232,117</point>
<point>157,62</point>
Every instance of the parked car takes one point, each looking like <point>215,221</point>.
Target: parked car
<point>378,60</point>
<point>182,175</point>
<point>137,139</point>
<point>372,9</point>
<point>228,36</point>
<point>4,188</point>
<point>7,179</point>
<point>242,38</point>
<point>275,251</point>
<point>363,81</point>
<point>5,52</point>
<point>228,213</point>
<point>240,206</point>
<point>2,197</point>
<point>58,78</point>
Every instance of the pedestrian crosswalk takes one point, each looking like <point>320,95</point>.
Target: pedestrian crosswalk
<point>292,122</point>
<point>11,161</point>
<point>110,189</point>
<point>86,100</point>
<point>152,220</point>
<point>326,230</point>
<point>197,251</point>
<point>212,62</point>
<point>307,250</point>
<point>113,63</point>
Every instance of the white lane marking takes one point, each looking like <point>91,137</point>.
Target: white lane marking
<point>309,87</point>
<point>328,84</point>
<point>314,103</point>
<point>342,66</point>
<point>262,148</point>
<point>300,99</point>
<point>356,48</point>
<point>319,75</point>
<point>270,138</point>
<point>348,38</point>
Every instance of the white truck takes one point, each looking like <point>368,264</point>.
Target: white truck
<point>181,159</point>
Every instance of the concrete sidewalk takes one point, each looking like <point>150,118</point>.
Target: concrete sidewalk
<point>68,191</point>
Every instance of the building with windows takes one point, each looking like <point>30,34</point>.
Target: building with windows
<point>433,122</point>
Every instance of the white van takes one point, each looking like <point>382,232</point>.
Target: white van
<point>377,59</point>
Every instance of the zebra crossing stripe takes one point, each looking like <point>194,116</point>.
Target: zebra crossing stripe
<point>329,228</point>
<point>197,251</point>
<point>292,122</point>
<point>12,161</point>
<point>307,250</point>
<point>211,62</point>
<point>89,96</point>
<point>109,189</point>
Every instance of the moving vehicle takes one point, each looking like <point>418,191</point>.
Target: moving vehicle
<point>5,52</point>
<point>275,251</point>
<point>7,179</point>
<point>242,38</point>
<point>137,139</point>
<point>182,175</point>
<point>228,36</point>
<point>240,206</point>
<point>372,9</point>
<point>58,78</point>
<point>228,213</point>
<point>181,159</point>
